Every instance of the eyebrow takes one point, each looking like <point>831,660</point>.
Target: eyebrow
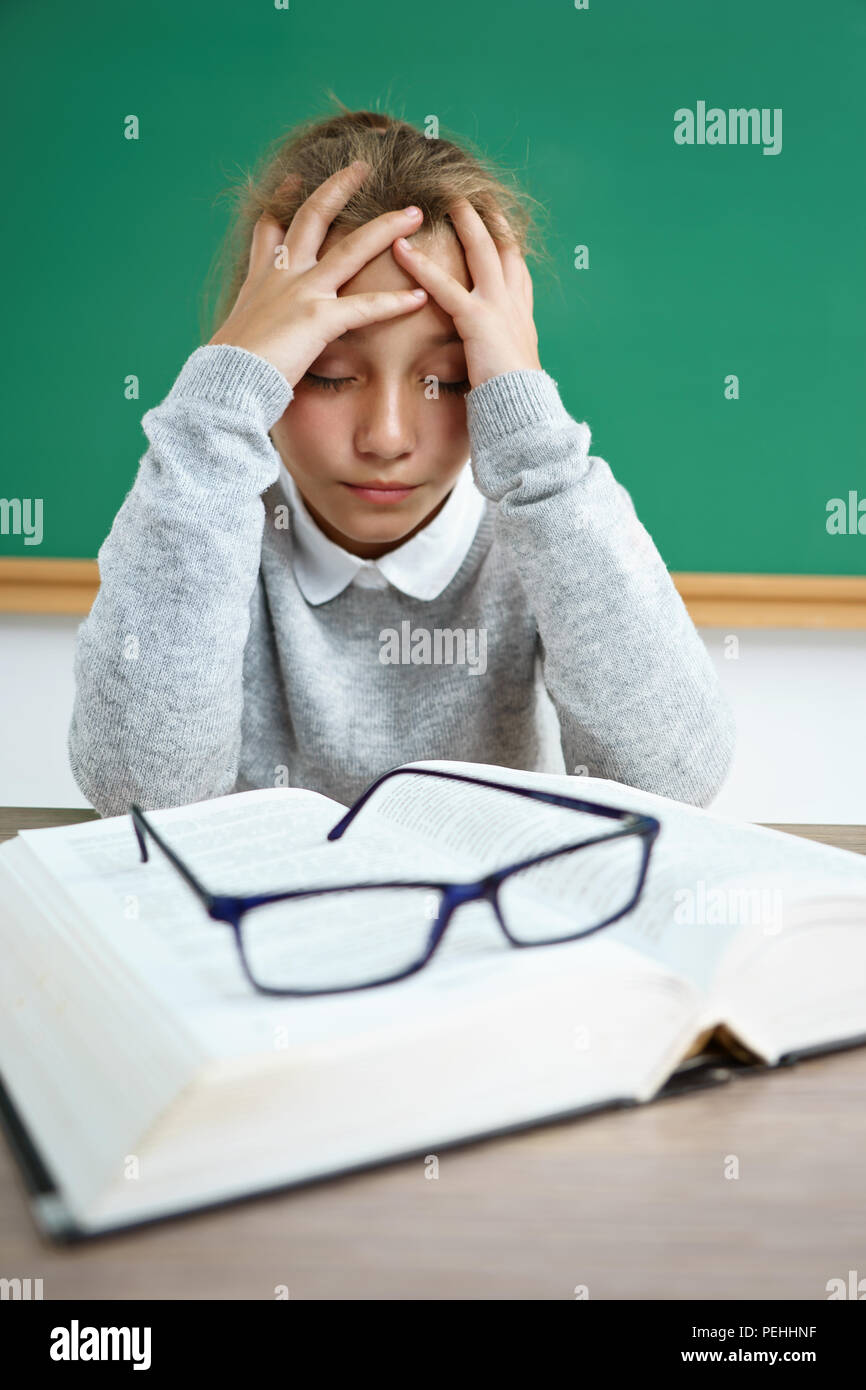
<point>435,339</point>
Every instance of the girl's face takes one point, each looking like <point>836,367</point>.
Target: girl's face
<point>376,423</point>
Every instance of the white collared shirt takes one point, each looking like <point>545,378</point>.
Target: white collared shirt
<point>421,567</point>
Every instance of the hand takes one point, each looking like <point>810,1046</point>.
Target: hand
<point>287,309</point>
<point>495,318</point>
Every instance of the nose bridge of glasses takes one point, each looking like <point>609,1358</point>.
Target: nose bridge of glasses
<point>483,889</point>
<point>459,893</point>
<point>223,908</point>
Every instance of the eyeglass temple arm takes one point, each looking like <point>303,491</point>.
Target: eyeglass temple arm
<point>142,825</point>
<point>534,794</point>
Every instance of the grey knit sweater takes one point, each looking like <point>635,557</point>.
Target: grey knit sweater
<point>202,669</point>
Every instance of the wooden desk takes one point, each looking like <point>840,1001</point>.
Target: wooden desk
<point>632,1203</point>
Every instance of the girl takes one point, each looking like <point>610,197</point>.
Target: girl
<point>367,531</point>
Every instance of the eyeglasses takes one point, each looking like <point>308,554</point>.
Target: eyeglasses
<point>353,936</point>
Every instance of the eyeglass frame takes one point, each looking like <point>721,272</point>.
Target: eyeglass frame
<point>229,909</point>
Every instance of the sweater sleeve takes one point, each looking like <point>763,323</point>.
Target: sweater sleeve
<point>159,660</point>
<point>637,696</point>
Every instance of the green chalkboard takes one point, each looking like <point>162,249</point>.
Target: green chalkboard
<point>706,260</point>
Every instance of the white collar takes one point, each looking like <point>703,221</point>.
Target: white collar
<point>421,567</point>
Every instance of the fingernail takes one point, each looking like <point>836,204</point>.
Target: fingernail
<point>412,211</point>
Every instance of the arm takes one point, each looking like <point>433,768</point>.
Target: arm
<point>636,694</point>
<point>158,661</point>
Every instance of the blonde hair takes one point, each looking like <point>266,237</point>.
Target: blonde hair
<point>407,167</point>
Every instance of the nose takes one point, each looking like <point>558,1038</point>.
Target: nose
<point>387,424</point>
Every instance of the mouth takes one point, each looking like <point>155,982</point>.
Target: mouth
<point>381,492</point>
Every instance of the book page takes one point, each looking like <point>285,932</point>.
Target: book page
<point>710,877</point>
<point>800,986</point>
<point>276,839</point>
<point>156,927</point>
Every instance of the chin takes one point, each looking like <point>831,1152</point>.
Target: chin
<point>377,528</point>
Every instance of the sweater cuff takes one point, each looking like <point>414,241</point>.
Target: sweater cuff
<point>236,379</point>
<point>511,401</point>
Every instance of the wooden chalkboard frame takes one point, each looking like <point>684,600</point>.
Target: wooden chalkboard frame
<point>713,600</point>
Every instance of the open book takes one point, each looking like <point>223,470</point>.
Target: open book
<point>143,1075</point>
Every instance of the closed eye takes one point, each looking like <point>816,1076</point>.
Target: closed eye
<point>332,383</point>
<point>335,383</point>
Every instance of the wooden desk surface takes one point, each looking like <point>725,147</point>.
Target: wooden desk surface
<point>634,1204</point>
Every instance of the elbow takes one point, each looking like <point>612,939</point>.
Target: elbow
<point>690,758</point>
<point>705,764</point>
<point>113,774</point>
<point>96,789</point>
<point>101,775</point>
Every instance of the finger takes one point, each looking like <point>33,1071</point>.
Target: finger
<point>268,234</point>
<point>514,267</point>
<point>449,294</point>
<point>357,310</point>
<point>311,222</point>
<point>499,226</point>
<point>482,254</point>
<point>527,284</point>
